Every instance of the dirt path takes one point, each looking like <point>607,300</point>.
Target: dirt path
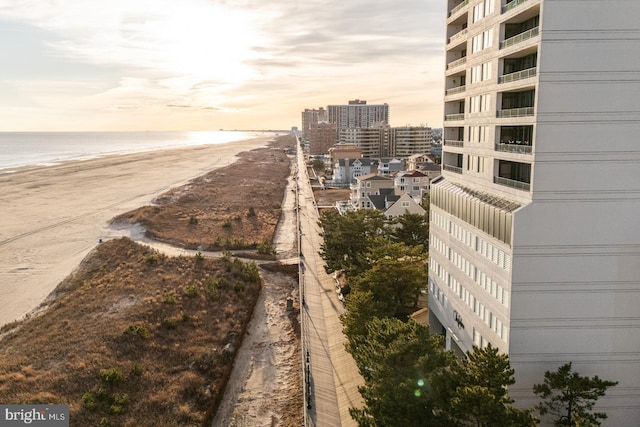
<point>265,387</point>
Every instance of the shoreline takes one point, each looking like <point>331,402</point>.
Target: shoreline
<point>54,215</point>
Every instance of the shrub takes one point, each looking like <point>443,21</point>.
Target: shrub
<point>251,213</point>
<point>226,223</point>
<point>137,370</point>
<point>191,291</point>
<point>111,376</point>
<point>199,258</point>
<point>265,248</point>
<point>88,400</point>
<point>169,323</point>
<point>169,299</point>
<point>193,220</point>
<point>138,330</point>
<point>151,260</point>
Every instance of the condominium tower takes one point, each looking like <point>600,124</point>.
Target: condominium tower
<point>535,222</point>
<point>358,114</point>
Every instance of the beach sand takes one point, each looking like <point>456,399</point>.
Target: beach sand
<point>53,216</point>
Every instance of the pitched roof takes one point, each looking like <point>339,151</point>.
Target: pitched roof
<point>379,201</point>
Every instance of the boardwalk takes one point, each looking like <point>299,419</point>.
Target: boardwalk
<point>331,376</point>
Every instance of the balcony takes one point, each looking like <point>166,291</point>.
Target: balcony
<point>451,117</point>
<point>457,35</point>
<point>454,169</point>
<point>514,112</point>
<point>458,8</point>
<point>520,37</point>
<point>453,143</point>
<point>454,90</point>
<point>507,7</point>
<point>519,75</point>
<point>456,63</point>
<point>516,147</point>
<point>518,185</point>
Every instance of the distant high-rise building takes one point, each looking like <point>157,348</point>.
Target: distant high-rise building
<point>357,114</point>
<point>317,132</point>
<point>382,140</point>
<point>408,140</point>
<point>535,224</point>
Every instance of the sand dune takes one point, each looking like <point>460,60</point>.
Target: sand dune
<point>53,216</point>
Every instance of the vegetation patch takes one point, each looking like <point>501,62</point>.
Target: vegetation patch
<point>159,360</point>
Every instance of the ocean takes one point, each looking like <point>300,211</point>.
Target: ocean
<point>49,148</point>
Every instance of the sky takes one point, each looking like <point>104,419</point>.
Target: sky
<point>82,65</point>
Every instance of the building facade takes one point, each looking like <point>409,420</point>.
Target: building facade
<point>358,114</point>
<point>407,140</point>
<point>535,232</point>
<point>381,140</point>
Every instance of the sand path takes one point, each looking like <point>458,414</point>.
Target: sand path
<point>51,217</point>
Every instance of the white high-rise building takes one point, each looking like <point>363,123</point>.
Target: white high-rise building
<point>535,222</point>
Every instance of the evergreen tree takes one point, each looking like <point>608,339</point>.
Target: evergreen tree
<point>403,367</point>
<point>480,397</point>
<point>571,397</point>
<point>347,237</point>
<point>411,229</point>
<point>396,275</point>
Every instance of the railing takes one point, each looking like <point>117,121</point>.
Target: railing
<point>507,7</point>
<point>454,169</point>
<point>518,75</point>
<point>514,148</point>
<point>454,117</point>
<point>458,7</point>
<point>455,90</point>
<point>457,35</point>
<point>514,112</point>
<point>520,37</point>
<point>456,63</point>
<point>518,185</point>
<point>453,143</point>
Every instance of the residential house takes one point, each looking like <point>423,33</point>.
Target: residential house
<point>345,171</point>
<point>366,186</point>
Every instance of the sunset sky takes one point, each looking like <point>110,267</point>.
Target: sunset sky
<point>211,64</point>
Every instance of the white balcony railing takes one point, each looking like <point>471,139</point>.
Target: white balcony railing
<point>518,185</point>
<point>520,148</point>
<point>520,37</point>
<point>518,75</point>
<point>515,112</point>
<point>456,63</point>
<point>453,143</point>
<point>455,90</point>
<point>458,8</point>
<point>454,169</point>
<point>449,117</point>
<point>457,35</point>
<point>507,7</point>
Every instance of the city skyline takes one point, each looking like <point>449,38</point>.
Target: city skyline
<point>207,65</point>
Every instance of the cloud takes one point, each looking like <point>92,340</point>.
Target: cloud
<point>240,57</point>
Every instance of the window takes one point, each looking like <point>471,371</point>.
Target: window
<point>482,41</point>
<point>479,103</point>
<point>405,204</point>
<point>482,9</point>
<point>478,133</point>
<point>481,72</point>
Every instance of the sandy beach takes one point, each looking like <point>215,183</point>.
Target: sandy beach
<point>53,216</point>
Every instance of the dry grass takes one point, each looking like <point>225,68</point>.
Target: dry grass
<point>136,338</point>
<point>235,207</point>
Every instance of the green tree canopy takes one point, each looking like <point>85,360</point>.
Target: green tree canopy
<point>402,365</point>
<point>480,397</point>
<point>395,277</point>
<point>347,237</point>
<point>570,397</point>
<point>411,229</point>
